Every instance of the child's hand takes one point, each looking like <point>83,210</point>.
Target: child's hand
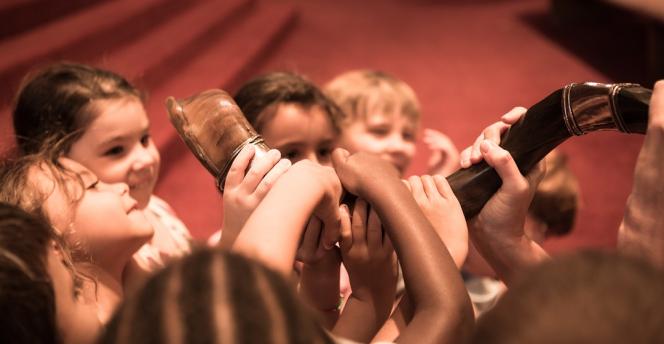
<point>504,214</point>
<point>498,230</point>
<point>311,251</point>
<point>327,209</point>
<point>442,209</point>
<point>444,157</point>
<point>641,232</point>
<point>356,170</point>
<point>369,258</point>
<point>319,278</point>
<point>243,192</point>
<point>272,232</point>
<point>473,155</point>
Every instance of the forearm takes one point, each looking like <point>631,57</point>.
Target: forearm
<point>508,256</point>
<point>272,232</point>
<point>319,287</point>
<point>432,280</point>
<point>641,232</point>
<point>360,320</point>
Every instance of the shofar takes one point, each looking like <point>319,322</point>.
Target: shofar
<point>214,129</point>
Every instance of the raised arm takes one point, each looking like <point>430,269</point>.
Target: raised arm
<point>498,230</point>
<point>642,230</point>
<point>246,184</point>
<point>369,258</point>
<point>273,231</point>
<point>442,309</point>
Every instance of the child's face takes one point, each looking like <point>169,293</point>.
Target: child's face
<point>300,133</point>
<point>390,136</point>
<point>117,147</point>
<point>77,320</point>
<point>102,217</point>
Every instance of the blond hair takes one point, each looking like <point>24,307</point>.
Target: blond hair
<point>363,92</point>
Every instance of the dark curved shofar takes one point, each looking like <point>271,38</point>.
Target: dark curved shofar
<point>576,109</point>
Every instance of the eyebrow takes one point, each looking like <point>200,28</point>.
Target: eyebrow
<point>120,138</point>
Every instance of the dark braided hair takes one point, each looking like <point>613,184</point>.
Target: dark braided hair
<point>213,296</point>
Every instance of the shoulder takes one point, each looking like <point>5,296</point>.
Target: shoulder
<point>162,213</point>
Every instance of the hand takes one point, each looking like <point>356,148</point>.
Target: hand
<point>367,252</point>
<point>444,157</point>
<point>641,229</point>
<point>504,215</point>
<point>243,192</point>
<point>369,258</point>
<point>319,277</point>
<point>327,208</point>
<point>473,155</point>
<point>357,170</point>
<point>311,251</point>
<point>442,209</point>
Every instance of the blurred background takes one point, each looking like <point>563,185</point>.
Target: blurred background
<point>469,62</point>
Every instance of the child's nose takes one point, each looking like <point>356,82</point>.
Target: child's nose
<point>396,143</point>
<point>142,158</point>
<point>313,157</point>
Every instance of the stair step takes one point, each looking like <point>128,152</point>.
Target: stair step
<point>222,65</point>
<point>81,36</point>
<point>19,16</point>
<point>157,51</point>
<point>12,4</point>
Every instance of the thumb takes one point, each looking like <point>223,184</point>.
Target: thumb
<point>339,157</point>
<point>657,104</point>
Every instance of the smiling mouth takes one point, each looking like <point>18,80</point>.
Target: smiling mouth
<point>140,185</point>
<point>133,206</point>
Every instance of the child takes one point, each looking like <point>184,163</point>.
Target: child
<point>39,298</point>
<point>292,115</point>
<point>102,118</point>
<point>214,296</point>
<point>381,115</point>
<point>100,222</point>
<point>295,117</point>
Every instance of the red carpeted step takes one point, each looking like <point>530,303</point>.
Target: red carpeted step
<point>82,36</point>
<point>184,183</point>
<point>11,4</point>
<point>19,16</point>
<point>165,46</point>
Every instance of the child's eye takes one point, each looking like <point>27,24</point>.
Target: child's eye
<point>326,151</point>
<point>77,286</point>
<point>145,140</point>
<point>93,185</point>
<point>408,136</point>
<point>290,155</point>
<point>379,131</point>
<point>117,150</point>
